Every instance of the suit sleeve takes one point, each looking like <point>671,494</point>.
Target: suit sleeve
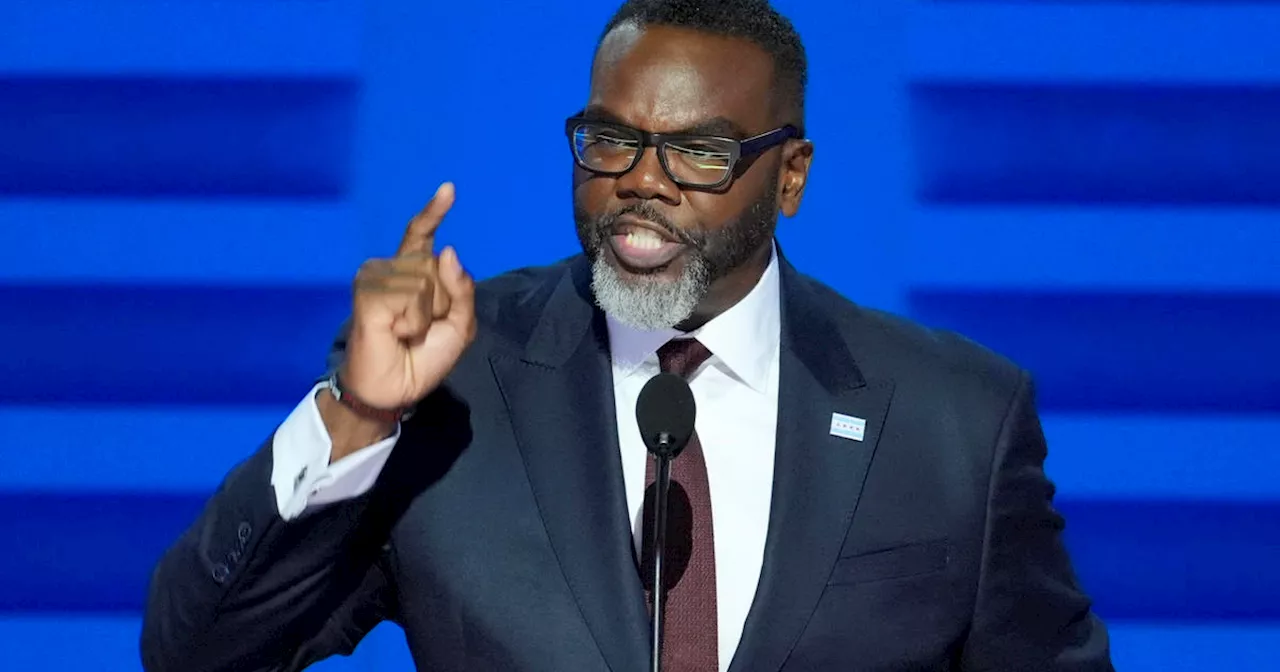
<point>272,577</point>
<point>1030,613</point>
<point>244,590</point>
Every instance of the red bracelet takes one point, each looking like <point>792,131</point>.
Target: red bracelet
<point>362,409</point>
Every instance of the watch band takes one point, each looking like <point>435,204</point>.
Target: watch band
<point>362,409</point>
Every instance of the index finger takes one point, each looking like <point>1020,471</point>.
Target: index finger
<point>420,235</point>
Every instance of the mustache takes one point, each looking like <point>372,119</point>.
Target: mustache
<point>606,223</point>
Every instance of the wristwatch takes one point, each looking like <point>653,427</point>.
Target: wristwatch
<point>362,409</point>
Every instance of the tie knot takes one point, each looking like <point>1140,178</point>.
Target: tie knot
<point>682,356</point>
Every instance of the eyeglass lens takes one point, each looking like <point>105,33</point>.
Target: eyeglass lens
<point>694,161</point>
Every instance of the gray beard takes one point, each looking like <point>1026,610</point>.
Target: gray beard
<point>650,304</point>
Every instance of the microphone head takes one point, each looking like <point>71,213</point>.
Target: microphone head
<point>665,412</point>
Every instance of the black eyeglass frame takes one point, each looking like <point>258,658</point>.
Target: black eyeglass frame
<point>738,149</point>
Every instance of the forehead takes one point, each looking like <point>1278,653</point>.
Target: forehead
<point>663,78</point>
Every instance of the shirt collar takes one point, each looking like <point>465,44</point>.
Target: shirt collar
<point>744,337</point>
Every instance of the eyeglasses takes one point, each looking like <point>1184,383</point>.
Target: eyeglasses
<point>699,161</point>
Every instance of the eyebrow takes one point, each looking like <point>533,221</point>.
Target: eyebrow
<point>720,126</point>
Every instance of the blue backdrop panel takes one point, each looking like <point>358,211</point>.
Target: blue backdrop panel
<point>187,188</point>
<point>167,344</point>
<point>86,552</point>
<point>1189,646</point>
<point>1132,44</point>
<point>1092,248</point>
<point>110,644</point>
<point>1177,560</point>
<point>169,448</point>
<point>1078,144</point>
<point>177,240</point>
<point>82,137</point>
<point>1127,351</point>
<point>1164,457</point>
<point>109,39</point>
<point>70,642</point>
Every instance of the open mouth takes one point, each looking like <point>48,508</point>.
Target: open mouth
<point>641,245</point>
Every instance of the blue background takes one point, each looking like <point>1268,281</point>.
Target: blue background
<point>187,188</point>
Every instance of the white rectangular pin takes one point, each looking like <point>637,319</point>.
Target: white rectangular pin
<point>848,427</point>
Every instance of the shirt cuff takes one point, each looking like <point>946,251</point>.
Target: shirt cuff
<point>300,471</point>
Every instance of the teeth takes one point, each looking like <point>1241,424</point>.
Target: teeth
<point>645,240</point>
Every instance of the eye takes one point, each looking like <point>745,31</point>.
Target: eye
<point>702,155</point>
<point>610,138</point>
<point>603,138</point>
<point>605,148</point>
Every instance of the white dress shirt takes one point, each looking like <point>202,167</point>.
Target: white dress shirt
<point>736,392</point>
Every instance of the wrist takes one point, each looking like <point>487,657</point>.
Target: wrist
<point>358,406</point>
<point>348,431</point>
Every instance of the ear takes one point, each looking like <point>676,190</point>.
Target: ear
<point>797,155</point>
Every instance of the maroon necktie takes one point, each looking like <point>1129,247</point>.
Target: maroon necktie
<point>690,634</point>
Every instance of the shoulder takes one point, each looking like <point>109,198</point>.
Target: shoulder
<point>934,365</point>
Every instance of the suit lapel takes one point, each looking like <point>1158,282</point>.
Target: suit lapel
<point>818,478</point>
<point>559,393</point>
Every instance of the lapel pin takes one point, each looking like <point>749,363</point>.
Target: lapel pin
<point>848,427</point>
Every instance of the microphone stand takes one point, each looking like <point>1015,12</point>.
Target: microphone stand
<point>662,483</point>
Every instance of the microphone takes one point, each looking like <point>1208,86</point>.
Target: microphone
<point>665,412</point>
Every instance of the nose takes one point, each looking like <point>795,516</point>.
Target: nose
<point>647,180</point>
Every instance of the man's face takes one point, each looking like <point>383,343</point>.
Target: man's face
<point>663,254</point>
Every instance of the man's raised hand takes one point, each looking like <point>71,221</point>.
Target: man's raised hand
<point>413,316</point>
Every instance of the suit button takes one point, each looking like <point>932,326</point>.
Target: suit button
<point>220,573</point>
<point>243,532</point>
<point>232,556</point>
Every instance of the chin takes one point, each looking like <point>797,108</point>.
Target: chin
<point>658,299</point>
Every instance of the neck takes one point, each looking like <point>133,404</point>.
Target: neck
<point>727,291</point>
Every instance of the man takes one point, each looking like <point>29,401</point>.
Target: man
<point>879,498</point>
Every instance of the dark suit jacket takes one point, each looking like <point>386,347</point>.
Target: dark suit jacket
<point>498,534</point>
